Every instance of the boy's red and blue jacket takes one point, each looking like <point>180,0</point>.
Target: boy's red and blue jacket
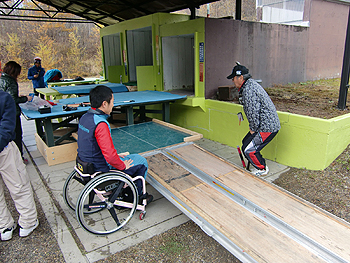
<point>7,119</point>
<point>95,143</point>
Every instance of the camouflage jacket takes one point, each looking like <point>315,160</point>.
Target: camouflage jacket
<point>258,107</point>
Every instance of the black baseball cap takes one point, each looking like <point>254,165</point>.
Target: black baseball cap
<point>238,70</point>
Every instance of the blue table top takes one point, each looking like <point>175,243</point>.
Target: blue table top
<point>85,89</point>
<point>120,99</point>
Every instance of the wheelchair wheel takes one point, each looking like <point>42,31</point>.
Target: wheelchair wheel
<point>72,189</point>
<point>116,209</point>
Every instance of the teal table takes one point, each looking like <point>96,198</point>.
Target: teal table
<point>128,100</point>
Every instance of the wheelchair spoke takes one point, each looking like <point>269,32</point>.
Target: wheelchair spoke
<point>116,193</point>
<point>114,215</point>
<point>91,196</point>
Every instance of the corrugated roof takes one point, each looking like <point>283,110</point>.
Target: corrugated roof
<point>108,12</point>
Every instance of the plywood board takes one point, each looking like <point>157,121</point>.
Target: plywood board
<point>57,154</point>
<point>324,228</point>
<point>194,135</point>
<point>261,241</point>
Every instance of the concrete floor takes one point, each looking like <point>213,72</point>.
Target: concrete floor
<point>161,216</point>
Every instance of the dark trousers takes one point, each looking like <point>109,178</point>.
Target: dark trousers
<point>137,170</point>
<point>36,93</point>
<point>18,130</point>
<point>253,144</point>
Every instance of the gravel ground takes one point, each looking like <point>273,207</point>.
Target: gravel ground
<point>185,243</point>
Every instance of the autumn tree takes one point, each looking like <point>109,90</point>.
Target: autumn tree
<point>75,55</point>
<point>23,40</point>
<point>13,48</point>
<point>46,50</point>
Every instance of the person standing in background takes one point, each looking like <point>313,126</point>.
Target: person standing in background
<point>36,75</point>
<point>8,83</point>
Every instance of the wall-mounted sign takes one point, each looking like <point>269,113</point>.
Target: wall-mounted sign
<point>201,61</point>
<point>201,52</point>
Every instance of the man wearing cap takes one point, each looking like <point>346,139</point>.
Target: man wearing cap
<point>36,75</point>
<point>262,116</point>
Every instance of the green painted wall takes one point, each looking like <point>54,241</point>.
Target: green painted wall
<point>303,142</point>
<point>145,80</point>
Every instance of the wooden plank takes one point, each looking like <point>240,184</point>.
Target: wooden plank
<point>204,161</point>
<point>309,219</point>
<point>194,135</point>
<point>261,241</point>
<point>178,178</point>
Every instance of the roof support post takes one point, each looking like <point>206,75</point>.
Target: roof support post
<point>238,10</point>
<point>193,12</point>
<point>344,82</point>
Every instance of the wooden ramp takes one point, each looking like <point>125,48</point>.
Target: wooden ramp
<point>255,220</point>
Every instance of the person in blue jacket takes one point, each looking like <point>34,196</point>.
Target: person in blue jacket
<point>14,176</point>
<point>36,75</point>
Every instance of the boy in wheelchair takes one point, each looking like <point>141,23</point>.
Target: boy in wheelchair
<point>96,151</point>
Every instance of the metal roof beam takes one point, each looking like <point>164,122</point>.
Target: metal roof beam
<point>87,7</point>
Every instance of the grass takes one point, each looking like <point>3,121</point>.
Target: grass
<point>318,98</point>
<point>171,246</point>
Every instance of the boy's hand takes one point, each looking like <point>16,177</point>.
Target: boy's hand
<point>128,164</point>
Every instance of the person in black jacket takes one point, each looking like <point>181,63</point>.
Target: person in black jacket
<point>8,83</point>
<point>14,175</point>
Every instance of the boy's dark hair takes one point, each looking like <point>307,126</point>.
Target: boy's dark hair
<point>99,94</point>
<point>13,69</point>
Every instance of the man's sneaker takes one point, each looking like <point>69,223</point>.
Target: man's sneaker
<point>23,232</point>
<point>7,233</point>
<point>259,172</point>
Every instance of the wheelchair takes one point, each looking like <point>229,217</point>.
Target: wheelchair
<point>104,202</point>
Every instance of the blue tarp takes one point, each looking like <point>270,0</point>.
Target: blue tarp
<point>50,74</point>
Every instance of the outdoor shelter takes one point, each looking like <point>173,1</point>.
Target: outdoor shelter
<point>167,52</point>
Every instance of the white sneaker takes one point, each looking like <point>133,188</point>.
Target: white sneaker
<point>24,232</point>
<point>259,172</point>
<point>7,233</point>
